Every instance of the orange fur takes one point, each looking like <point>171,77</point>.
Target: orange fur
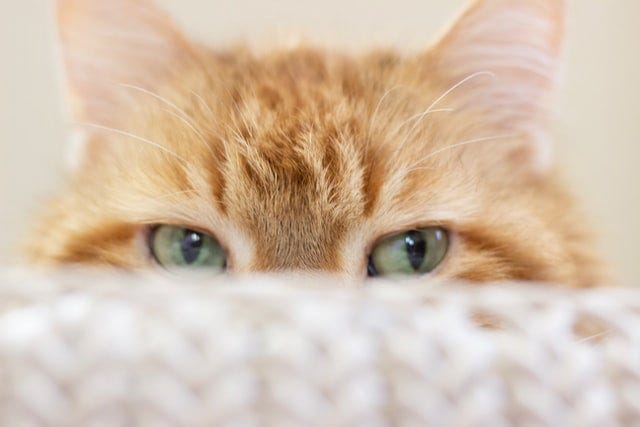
<point>301,159</point>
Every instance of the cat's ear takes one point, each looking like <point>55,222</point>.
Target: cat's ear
<point>108,45</point>
<point>503,58</point>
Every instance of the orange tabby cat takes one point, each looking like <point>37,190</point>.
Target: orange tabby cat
<point>435,164</point>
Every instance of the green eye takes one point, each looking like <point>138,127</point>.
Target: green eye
<point>412,252</point>
<point>179,248</point>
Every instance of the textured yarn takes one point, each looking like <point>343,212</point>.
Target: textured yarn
<point>97,350</point>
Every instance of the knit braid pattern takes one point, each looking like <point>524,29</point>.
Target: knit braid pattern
<point>85,349</point>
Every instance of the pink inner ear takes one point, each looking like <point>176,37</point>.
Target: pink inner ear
<point>107,44</point>
<point>516,41</point>
<point>504,55</point>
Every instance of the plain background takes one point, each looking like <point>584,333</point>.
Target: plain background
<point>598,129</point>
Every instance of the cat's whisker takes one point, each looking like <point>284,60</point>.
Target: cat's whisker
<point>190,125</point>
<point>446,93</point>
<point>394,184</point>
<point>156,96</point>
<point>418,118</point>
<point>175,193</point>
<point>376,110</point>
<point>398,150</point>
<point>166,101</point>
<point>177,112</point>
<point>463,143</point>
<point>204,104</point>
<point>421,115</point>
<point>135,137</point>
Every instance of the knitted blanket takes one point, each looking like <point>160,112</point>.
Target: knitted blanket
<point>84,349</point>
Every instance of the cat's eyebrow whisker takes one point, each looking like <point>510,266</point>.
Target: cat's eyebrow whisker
<point>400,145</point>
<point>420,117</point>
<point>376,110</point>
<point>204,104</point>
<point>175,193</point>
<point>177,112</point>
<point>463,143</point>
<point>156,96</point>
<point>164,100</point>
<point>446,93</point>
<point>135,137</point>
<point>394,184</point>
<point>191,126</point>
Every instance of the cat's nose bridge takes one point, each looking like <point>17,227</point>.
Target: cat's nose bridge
<point>296,256</point>
<point>301,245</point>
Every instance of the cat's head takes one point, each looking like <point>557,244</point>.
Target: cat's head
<point>436,162</point>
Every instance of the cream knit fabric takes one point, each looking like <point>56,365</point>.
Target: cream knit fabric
<point>96,350</point>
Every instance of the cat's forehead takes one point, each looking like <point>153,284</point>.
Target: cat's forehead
<point>285,119</point>
<point>320,133</point>
<point>300,70</point>
<point>282,147</point>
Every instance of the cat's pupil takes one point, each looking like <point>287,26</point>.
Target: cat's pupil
<point>371,269</point>
<point>416,248</point>
<point>191,246</point>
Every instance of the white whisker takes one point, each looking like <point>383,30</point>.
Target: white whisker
<point>448,92</point>
<point>178,112</point>
<point>461,144</point>
<point>156,96</point>
<point>190,125</point>
<point>175,193</point>
<point>378,105</point>
<point>136,137</point>
<point>420,117</point>
<point>394,184</point>
<point>204,104</point>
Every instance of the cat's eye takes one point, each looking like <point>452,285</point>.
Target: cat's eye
<point>409,253</point>
<point>177,248</point>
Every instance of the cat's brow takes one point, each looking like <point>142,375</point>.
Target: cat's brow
<point>395,184</point>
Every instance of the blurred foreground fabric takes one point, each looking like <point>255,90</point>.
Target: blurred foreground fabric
<point>87,349</point>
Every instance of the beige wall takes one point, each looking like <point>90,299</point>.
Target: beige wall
<point>599,128</point>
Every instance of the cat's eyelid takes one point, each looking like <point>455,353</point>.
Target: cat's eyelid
<point>376,235</point>
<point>152,226</point>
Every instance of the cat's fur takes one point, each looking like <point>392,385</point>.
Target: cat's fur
<point>300,159</point>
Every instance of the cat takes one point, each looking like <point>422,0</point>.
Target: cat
<point>435,164</point>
